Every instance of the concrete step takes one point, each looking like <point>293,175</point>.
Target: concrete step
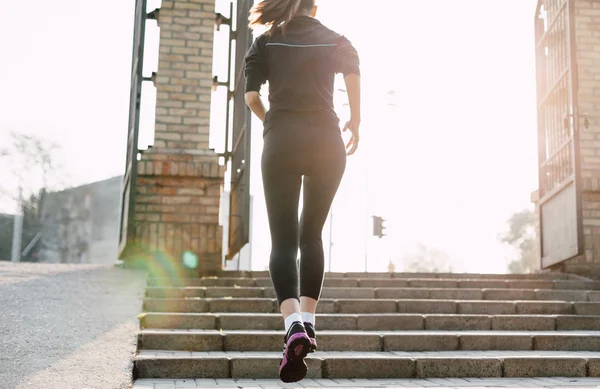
<point>361,383</point>
<point>374,322</point>
<point>373,341</point>
<point>534,276</point>
<point>266,305</point>
<point>384,293</point>
<point>348,365</point>
<point>391,283</point>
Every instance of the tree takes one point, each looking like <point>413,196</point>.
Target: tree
<point>33,164</point>
<point>427,260</point>
<point>521,236</point>
<point>30,165</point>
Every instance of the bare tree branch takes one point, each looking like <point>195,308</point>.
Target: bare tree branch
<point>33,163</point>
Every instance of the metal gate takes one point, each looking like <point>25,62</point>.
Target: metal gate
<point>558,138</point>
<point>239,209</point>
<point>126,234</point>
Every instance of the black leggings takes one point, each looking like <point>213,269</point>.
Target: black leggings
<point>293,151</point>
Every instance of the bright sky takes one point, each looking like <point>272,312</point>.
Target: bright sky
<point>447,165</point>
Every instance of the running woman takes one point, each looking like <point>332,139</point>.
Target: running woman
<point>300,57</point>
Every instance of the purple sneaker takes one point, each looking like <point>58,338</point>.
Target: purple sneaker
<point>297,345</point>
<point>310,331</point>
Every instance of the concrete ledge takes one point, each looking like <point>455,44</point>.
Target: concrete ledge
<point>361,383</point>
<point>376,306</point>
<point>365,342</point>
<point>367,367</point>
<point>182,367</point>
<point>545,367</point>
<point>372,322</point>
<point>459,367</point>
<point>381,365</point>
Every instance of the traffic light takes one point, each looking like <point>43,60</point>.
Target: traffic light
<point>378,227</point>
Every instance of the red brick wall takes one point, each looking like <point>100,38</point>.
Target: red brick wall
<point>179,180</point>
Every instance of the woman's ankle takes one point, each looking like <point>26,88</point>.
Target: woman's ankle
<point>308,317</point>
<point>308,304</point>
<point>289,307</point>
<point>291,319</point>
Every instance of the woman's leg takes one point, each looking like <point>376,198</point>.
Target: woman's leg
<point>320,187</point>
<point>319,192</point>
<point>282,192</point>
<point>282,180</point>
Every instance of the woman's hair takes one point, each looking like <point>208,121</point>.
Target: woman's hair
<point>272,13</point>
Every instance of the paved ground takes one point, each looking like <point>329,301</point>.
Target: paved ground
<point>67,326</point>
<point>570,383</point>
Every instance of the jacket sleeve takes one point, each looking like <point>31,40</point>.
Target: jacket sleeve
<point>346,59</point>
<point>255,66</point>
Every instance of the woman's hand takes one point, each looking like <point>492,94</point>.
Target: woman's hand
<point>353,126</point>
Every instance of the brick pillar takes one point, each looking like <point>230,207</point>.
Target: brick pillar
<point>587,35</point>
<point>179,180</point>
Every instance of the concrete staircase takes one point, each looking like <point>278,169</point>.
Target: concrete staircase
<point>376,326</point>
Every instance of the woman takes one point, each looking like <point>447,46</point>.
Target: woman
<point>299,57</point>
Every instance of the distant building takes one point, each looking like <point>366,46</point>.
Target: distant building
<point>81,225</point>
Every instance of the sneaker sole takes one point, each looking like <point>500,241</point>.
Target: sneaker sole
<point>293,367</point>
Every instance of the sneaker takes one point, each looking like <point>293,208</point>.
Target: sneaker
<point>293,368</point>
<point>310,331</point>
